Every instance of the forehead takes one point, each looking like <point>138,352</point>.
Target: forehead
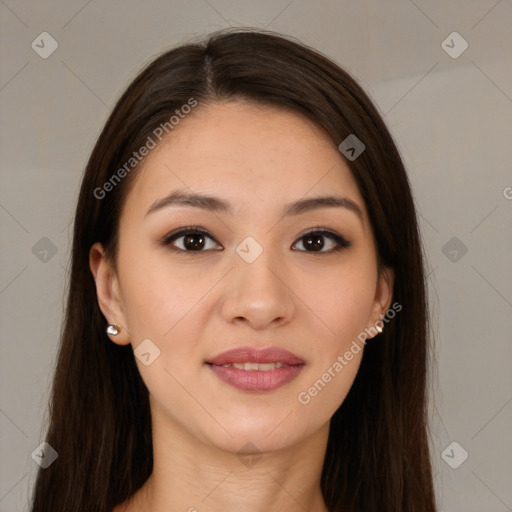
<point>255,156</point>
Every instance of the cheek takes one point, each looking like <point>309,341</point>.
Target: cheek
<point>158,297</point>
<point>344,303</point>
<point>345,308</point>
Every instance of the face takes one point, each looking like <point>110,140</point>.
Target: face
<point>246,271</point>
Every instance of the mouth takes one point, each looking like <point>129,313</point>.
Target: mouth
<point>257,370</point>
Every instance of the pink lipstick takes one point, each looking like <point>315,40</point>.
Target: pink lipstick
<point>252,369</point>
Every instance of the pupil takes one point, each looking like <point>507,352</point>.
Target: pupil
<point>189,244</point>
<point>310,242</point>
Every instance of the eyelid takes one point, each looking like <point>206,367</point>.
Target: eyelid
<point>342,242</point>
<point>166,241</point>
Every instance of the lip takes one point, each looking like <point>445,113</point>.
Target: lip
<point>256,380</point>
<point>256,355</point>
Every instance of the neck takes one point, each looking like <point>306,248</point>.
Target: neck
<point>191,476</point>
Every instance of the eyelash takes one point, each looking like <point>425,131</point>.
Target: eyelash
<point>341,243</point>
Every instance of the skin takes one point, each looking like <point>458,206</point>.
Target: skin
<point>195,305</point>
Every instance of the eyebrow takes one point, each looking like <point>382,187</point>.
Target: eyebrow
<point>216,204</point>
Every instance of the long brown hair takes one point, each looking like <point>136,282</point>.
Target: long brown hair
<point>99,416</point>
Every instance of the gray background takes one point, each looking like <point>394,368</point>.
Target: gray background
<point>451,118</point>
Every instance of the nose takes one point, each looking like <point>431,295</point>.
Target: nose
<point>258,293</point>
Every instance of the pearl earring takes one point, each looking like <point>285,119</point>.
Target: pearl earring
<point>113,330</point>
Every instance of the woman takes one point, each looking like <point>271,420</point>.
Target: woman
<point>246,323</point>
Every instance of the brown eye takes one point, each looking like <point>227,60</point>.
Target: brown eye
<point>194,241</point>
<point>190,239</point>
<point>313,241</point>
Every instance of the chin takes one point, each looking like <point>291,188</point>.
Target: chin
<point>252,442</point>
<point>260,432</point>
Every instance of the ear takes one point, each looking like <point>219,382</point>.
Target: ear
<point>108,292</point>
<point>383,294</point>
